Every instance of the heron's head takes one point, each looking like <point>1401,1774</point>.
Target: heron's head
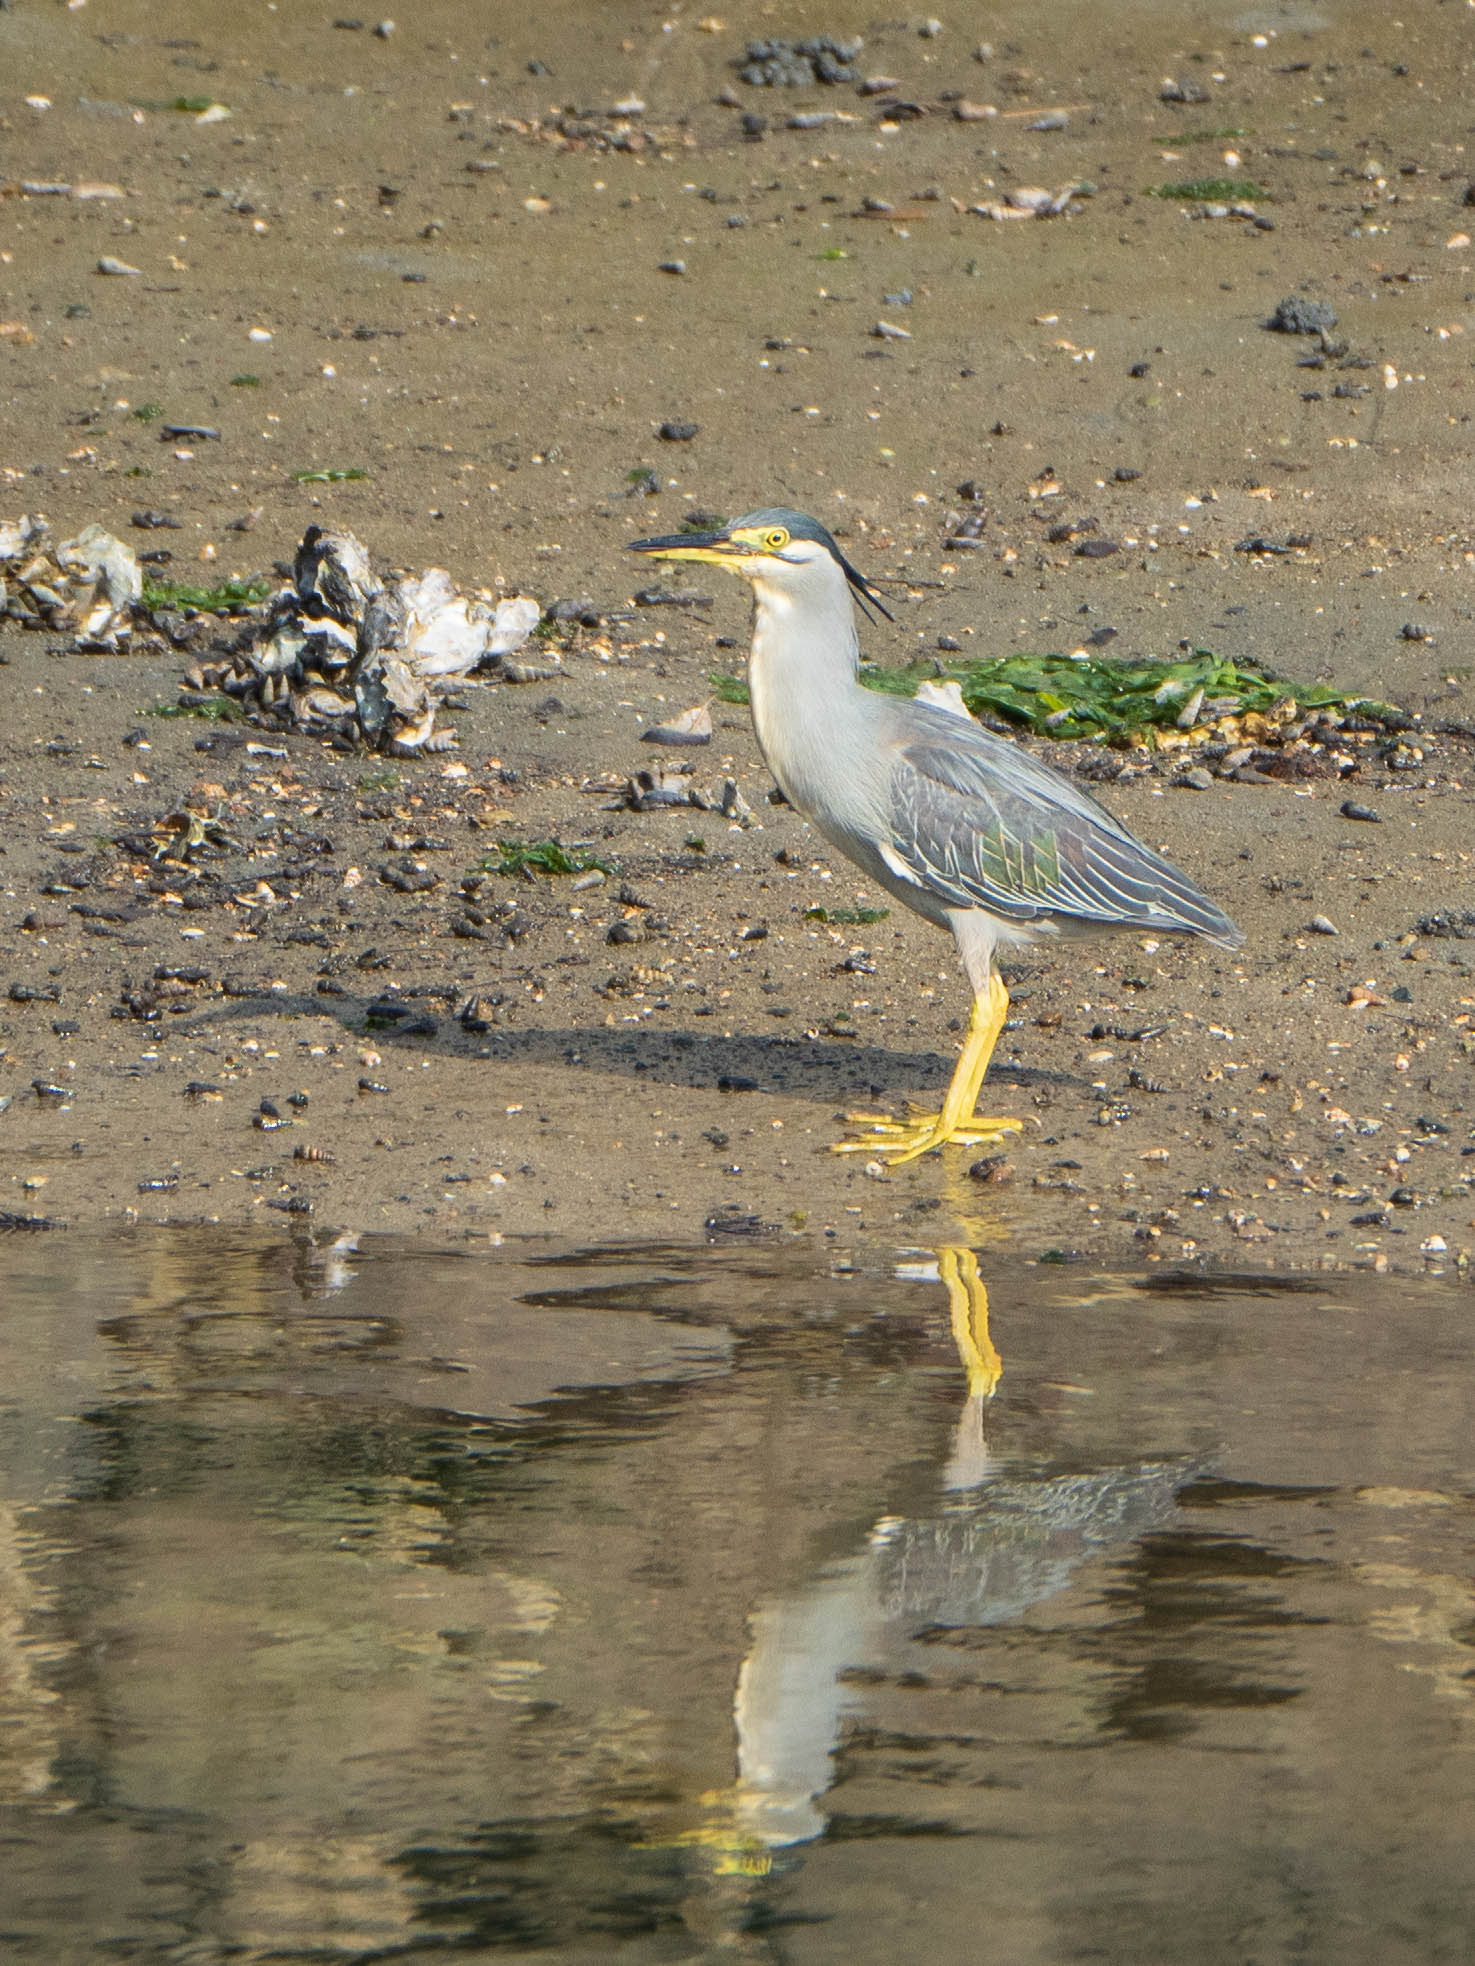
<point>774,548</point>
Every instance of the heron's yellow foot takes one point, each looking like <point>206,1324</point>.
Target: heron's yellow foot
<point>957,1125</point>
<point>904,1140</point>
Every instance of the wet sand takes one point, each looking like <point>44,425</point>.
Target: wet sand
<point>463,288</point>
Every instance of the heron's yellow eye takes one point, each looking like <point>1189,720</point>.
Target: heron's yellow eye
<point>776,539</point>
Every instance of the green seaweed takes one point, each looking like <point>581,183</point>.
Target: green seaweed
<point>728,688</point>
<point>1184,137</point>
<point>245,382</point>
<point>539,857</point>
<point>148,412</point>
<point>226,597</point>
<point>329,476</point>
<point>1122,701</point>
<point>847,917</point>
<point>1210,190</point>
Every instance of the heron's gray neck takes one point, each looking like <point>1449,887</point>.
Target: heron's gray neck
<point>799,676</point>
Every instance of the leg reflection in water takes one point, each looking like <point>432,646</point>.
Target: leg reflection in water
<point>967,1297</point>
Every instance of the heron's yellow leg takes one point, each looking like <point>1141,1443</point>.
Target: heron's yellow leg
<point>904,1140</point>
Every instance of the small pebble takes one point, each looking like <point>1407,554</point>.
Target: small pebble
<point>1320,925</point>
<point>1195,780</point>
<point>677,266</point>
<point>1350,809</point>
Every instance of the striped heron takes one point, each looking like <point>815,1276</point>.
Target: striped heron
<point>967,829</point>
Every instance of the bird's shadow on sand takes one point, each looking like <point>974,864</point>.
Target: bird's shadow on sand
<point>837,1071</point>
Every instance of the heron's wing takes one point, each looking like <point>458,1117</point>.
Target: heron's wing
<point>980,824</point>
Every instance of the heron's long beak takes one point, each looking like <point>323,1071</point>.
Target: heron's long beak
<point>715,547</point>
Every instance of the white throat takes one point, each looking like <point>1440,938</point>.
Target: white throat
<point>804,660</point>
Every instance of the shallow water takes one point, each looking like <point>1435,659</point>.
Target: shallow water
<point>665,1604</point>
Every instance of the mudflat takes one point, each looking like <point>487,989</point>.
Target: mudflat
<point>553,284</point>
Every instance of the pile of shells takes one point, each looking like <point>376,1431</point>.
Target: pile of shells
<point>88,587</point>
<point>1287,743</point>
<point>349,656</point>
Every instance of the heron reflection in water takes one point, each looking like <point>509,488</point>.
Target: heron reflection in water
<point>997,1544</point>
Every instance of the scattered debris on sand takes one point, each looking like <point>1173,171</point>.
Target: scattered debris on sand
<point>339,651</point>
<point>88,587</point>
<point>346,654</point>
